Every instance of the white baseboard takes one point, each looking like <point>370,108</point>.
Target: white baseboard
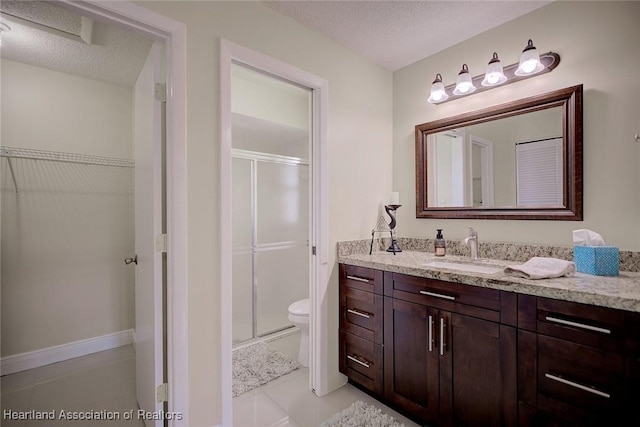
<point>34,359</point>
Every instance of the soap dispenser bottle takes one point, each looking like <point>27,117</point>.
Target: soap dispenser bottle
<point>440,245</point>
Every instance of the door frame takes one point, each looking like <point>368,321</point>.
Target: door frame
<point>173,34</point>
<point>318,266</point>
<point>486,160</point>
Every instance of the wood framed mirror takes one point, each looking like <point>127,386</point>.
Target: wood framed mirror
<point>519,160</point>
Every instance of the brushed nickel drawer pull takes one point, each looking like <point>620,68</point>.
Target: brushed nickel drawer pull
<point>576,385</point>
<point>358,313</point>
<point>433,294</point>
<point>358,279</point>
<point>578,325</point>
<point>366,365</point>
<point>442,344</point>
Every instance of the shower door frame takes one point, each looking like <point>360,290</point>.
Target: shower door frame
<point>255,158</point>
<point>321,381</point>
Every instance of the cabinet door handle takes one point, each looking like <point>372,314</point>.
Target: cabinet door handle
<point>358,313</point>
<point>430,333</point>
<point>366,365</point>
<point>433,294</point>
<point>578,325</point>
<point>576,385</point>
<point>358,279</point>
<point>442,343</point>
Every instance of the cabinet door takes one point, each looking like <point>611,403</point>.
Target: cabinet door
<point>477,372</point>
<point>411,358</point>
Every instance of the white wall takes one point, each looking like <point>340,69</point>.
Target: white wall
<point>64,237</point>
<point>269,99</point>
<point>597,43</point>
<point>359,151</point>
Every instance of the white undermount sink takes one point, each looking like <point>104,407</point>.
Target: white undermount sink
<point>462,266</point>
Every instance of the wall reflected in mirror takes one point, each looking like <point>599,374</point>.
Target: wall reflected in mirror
<point>512,162</point>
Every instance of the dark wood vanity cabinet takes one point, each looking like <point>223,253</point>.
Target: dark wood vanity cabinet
<point>450,351</point>
<point>361,327</point>
<point>450,354</point>
<point>578,364</point>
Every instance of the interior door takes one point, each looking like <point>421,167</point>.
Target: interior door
<point>148,146</point>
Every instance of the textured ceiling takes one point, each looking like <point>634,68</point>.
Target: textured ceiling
<point>48,36</point>
<point>390,33</point>
<point>394,34</point>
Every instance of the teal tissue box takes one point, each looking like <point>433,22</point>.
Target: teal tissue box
<point>597,260</point>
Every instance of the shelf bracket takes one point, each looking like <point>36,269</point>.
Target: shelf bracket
<point>13,176</point>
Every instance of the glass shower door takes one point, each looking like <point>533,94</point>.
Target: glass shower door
<point>282,249</point>
<point>270,241</point>
<point>242,258</point>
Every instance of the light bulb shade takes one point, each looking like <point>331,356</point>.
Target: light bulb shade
<point>494,75</point>
<point>464,83</point>
<point>529,61</point>
<point>438,94</point>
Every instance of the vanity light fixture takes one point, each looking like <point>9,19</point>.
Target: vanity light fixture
<point>494,75</point>
<point>3,27</point>
<point>531,64</point>
<point>464,83</point>
<point>529,61</point>
<point>438,94</point>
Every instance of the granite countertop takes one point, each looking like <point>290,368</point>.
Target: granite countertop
<point>622,292</point>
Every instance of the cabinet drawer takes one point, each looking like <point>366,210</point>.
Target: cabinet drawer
<point>364,279</point>
<point>445,295</point>
<point>581,376</point>
<point>361,361</point>
<point>361,313</point>
<point>582,323</point>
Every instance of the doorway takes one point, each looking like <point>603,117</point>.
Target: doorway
<point>270,184</point>
<point>164,30</point>
<point>318,233</point>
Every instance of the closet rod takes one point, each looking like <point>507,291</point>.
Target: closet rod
<point>56,156</point>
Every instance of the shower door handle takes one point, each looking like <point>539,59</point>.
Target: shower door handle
<point>131,260</point>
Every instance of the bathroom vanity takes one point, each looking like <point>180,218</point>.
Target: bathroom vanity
<point>463,348</point>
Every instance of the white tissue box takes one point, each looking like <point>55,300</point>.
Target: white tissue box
<point>597,260</point>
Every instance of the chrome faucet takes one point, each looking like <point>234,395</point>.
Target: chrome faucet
<point>472,242</point>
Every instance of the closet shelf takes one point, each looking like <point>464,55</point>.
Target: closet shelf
<point>56,156</point>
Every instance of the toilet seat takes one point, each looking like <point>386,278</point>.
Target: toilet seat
<point>300,308</point>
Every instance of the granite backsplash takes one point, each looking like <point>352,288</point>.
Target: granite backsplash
<point>519,252</point>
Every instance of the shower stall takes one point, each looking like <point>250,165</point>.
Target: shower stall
<point>270,202</point>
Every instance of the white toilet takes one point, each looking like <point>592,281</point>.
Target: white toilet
<point>299,316</point>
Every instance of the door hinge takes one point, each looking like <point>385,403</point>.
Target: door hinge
<point>313,250</point>
<point>161,243</point>
<point>160,92</point>
<point>162,393</point>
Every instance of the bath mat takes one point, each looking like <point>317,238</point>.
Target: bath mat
<point>361,415</point>
<point>256,365</point>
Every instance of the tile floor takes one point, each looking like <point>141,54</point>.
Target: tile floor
<point>97,382</point>
<point>106,381</point>
<point>287,401</point>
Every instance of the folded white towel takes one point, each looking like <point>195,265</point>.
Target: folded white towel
<point>542,268</point>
